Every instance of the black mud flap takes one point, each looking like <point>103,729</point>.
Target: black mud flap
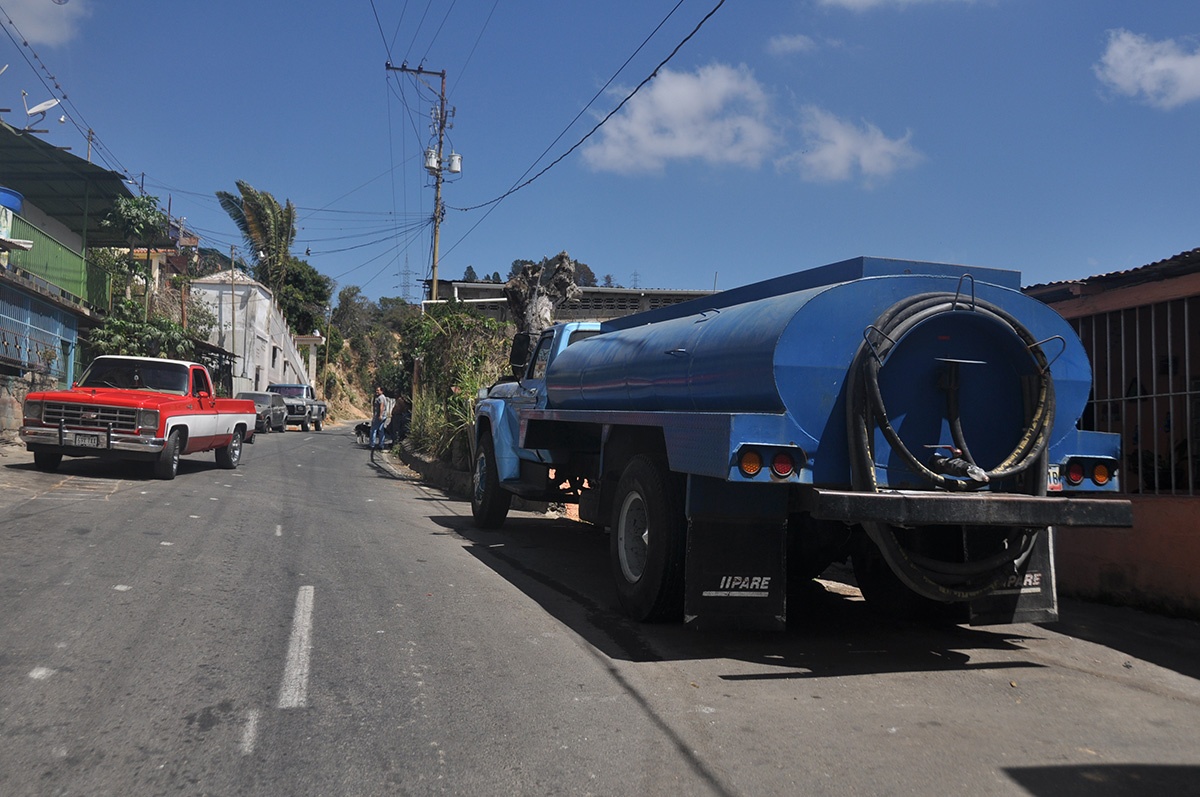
<point>1029,596</point>
<point>736,575</point>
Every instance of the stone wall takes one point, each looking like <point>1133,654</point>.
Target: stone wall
<point>13,390</point>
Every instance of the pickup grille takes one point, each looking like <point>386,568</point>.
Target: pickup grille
<point>87,416</point>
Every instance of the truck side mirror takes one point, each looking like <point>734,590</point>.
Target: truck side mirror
<point>519,356</point>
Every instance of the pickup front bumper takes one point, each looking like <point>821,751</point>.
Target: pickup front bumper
<point>88,442</point>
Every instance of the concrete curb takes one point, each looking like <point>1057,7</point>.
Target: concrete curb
<point>435,474</point>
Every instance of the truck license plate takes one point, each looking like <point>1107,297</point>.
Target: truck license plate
<point>87,440</point>
<point>1053,480</point>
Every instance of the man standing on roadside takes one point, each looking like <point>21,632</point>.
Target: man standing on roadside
<point>379,418</point>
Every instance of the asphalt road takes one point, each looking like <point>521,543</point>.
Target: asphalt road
<point>317,622</point>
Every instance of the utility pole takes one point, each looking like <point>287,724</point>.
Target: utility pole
<point>433,159</point>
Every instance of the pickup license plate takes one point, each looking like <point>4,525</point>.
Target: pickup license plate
<point>87,440</point>
<point>1053,480</point>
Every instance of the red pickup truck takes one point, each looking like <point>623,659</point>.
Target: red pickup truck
<point>137,408</point>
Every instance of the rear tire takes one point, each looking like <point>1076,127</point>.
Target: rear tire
<point>167,464</point>
<point>229,456</point>
<point>46,461</point>
<point>489,501</point>
<point>648,541</point>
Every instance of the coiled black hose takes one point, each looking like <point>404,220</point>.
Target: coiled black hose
<point>936,579</point>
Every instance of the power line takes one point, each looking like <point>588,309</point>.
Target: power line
<point>610,114</point>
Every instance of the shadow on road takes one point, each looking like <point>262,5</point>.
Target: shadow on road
<point>563,565</point>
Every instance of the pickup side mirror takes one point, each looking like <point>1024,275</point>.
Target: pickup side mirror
<point>203,394</point>
<point>518,358</point>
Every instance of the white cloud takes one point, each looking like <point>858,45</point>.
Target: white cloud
<point>718,114</point>
<point>796,43</point>
<point>45,22</point>
<point>837,150</point>
<point>1162,73</point>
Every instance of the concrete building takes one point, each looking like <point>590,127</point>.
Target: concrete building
<point>250,324</point>
<point>596,304</point>
<point>51,205</point>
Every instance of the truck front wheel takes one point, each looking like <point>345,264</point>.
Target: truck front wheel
<point>317,424</point>
<point>304,424</point>
<point>46,461</point>
<point>647,541</point>
<point>489,501</point>
<point>167,464</point>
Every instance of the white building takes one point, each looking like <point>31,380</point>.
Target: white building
<point>250,325</point>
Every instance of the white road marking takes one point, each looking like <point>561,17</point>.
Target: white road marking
<point>40,673</point>
<point>293,693</point>
<point>278,531</point>
<point>250,732</point>
<point>122,588</point>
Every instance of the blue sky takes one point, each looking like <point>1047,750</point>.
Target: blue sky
<point>1056,138</point>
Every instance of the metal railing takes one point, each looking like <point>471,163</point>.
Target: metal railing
<point>1146,387</point>
<point>62,269</point>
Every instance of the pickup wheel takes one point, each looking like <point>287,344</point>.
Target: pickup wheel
<point>47,461</point>
<point>229,456</point>
<point>167,464</point>
<point>304,424</point>
<point>647,541</point>
<point>489,501</point>
<point>317,424</point>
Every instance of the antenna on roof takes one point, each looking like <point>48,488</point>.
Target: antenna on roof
<point>38,110</point>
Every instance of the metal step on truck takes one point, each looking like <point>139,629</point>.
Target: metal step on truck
<point>918,419</point>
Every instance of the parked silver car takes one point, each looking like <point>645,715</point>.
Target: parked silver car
<point>272,412</point>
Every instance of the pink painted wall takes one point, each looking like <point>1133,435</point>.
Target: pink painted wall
<point>1155,564</point>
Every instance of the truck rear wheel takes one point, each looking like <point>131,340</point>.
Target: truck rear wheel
<point>648,541</point>
<point>229,456</point>
<point>489,501</point>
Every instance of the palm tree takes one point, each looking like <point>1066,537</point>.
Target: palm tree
<point>268,228</point>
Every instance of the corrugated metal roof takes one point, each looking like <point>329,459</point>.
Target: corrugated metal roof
<point>63,186</point>
<point>1175,266</point>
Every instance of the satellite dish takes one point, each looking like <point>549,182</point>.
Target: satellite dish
<point>38,110</point>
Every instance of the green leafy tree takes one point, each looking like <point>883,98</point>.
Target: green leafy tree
<point>355,314</point>
<point>584,276</point>
<point>126,332</point>
<point>140,222</point>
<point>304,296</point>
<point>469,275</point>
<point>268,228</point>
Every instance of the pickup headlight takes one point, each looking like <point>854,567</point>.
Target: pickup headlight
<point>32,411</point>
<point>147,421</point>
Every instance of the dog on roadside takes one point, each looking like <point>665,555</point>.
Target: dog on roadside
<point>362,432</point>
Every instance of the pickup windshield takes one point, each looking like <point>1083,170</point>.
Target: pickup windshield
<point>291,391</point>
<point>136,375</point>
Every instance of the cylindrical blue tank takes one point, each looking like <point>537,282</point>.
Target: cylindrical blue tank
<point>11,199</point>
<point>790,354</point>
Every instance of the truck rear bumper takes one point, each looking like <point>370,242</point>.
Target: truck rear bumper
<point>77,442</point>
<point>916,508</point>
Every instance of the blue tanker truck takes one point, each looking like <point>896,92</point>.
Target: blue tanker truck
<point>918,419</point>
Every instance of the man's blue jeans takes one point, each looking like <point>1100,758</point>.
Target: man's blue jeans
<point>377,428</point>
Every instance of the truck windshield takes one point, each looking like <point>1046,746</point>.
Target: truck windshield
<point>136,375</point>
<point>291,391</point>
